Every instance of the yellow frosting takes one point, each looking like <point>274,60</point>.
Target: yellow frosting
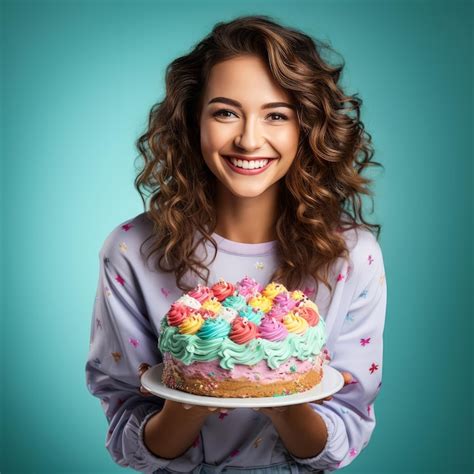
<point>212,304</point>
<point>273,289</point>
<point>297,295</point>
<point>263,303</point>
<point>295,323</point>
<point>191,324</point>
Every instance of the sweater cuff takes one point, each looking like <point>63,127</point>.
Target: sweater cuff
<point>143,452</point>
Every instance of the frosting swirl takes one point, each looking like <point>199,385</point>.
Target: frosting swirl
<point>243,330</point>
<point>212,304</point>
<point>285,300</point>
<point>309,314</point>
<point>191,324</point>
<point>189,301</point>
<point>214,328</point>
<point>228,314</point>
<point>272,329</point>
<point>178,313</point>
<point>295,323</point>
<point>277,312</point>
<point>200,293</point>
<point>248,287</point>
<point>222,289</point>
<point>251,314</point>
<point>273,289</point>
<point>236,302</point>
<point>261,302</point>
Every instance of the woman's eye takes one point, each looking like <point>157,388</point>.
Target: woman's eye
<point>284,117</point>
<point>223,111</point>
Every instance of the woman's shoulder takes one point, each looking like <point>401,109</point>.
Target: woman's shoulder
<point>127,236</point>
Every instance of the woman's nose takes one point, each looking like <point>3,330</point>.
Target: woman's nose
<point>251,137</point>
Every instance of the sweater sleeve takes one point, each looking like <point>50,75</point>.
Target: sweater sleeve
<point>121,340</point>
<point>349,416</point>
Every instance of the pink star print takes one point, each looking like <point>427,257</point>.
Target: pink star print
<point>308,291</point>
<point>133,342</point>
<point>340,277</point>
<point>196,441</point>
<point>222,415</point>
<point>234,453</point>
<point>371,259</point>
<point>120,280</point>
<point>364,342</point>
<point>373,367</point>
<point>165,291</point>
<point>127,227</point>
<point>353,452</point>
<point>368,410</point>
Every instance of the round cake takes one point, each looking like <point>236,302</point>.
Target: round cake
<point>242,340</point>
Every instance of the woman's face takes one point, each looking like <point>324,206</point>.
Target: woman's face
<point>240,117</point>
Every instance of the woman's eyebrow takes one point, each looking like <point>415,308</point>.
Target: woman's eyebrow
<point>235,103</point>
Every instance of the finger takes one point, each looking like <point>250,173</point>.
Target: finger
<point>347,377</point>
<point>187,406</point>
<point>144,391</point>
<point>212,408</point>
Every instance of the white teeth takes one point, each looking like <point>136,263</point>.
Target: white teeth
<point>249,165</point>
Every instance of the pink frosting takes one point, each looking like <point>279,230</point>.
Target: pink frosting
<point>272,329</point>
<point>260,372</point>
<point>248,287</point>
<point>277,312</point>
<point>285,301</point>
<point>201,293</point>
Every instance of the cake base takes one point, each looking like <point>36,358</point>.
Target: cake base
<point>243,381</point>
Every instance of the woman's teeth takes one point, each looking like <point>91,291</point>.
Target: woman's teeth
<point>249,165</point>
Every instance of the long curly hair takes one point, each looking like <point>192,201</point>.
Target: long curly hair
<point>320,196</point>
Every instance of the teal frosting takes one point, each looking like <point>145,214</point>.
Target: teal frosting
<point>191,347</point>
<point>252,315</point>
<point>236,302</point>
<point>214,328</point>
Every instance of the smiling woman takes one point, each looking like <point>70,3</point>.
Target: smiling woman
<point>255,152</point>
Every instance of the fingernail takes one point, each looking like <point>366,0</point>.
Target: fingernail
<point>255,409</point>
<point>186,406</point>
<point>224,410</point>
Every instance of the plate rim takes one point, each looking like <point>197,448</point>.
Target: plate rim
<point>332,375</point>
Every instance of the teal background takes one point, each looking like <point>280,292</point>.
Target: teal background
<point>78,80</point>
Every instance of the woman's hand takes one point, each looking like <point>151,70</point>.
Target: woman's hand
<point>142,368</point>
<point>271,411</point>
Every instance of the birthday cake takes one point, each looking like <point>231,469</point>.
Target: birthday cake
<point>242,340</point>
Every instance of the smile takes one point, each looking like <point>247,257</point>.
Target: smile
<point>248,167</point>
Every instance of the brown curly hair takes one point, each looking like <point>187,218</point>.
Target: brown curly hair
<point>320,196</point>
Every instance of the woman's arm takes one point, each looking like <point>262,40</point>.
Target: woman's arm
<point>171,431</point>
<point>301,429</point>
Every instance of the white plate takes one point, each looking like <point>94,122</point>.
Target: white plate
<point>331,383</point>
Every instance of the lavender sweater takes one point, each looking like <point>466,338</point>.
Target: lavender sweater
<point>131,300</point>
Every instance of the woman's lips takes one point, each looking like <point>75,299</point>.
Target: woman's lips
<point>246,171</point>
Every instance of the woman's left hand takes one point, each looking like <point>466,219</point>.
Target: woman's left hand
<point>271,411</point>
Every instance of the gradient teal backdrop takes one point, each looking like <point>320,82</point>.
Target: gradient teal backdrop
<point>78,79</point>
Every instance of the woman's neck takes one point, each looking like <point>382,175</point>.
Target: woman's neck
<point>247,219</point>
